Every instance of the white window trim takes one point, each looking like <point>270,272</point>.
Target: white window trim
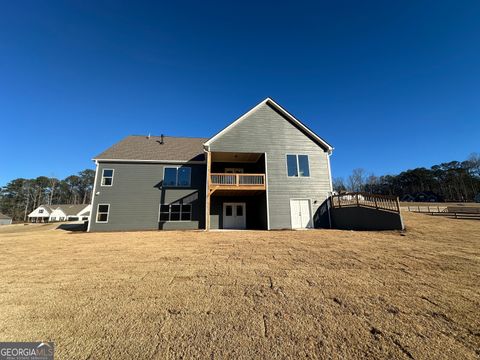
<point>103,177</point>
<point>108,214</point>
<point>170,213</point>
<point>176,180</point>
<point>298,166</point>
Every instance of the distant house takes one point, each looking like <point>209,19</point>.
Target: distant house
<point>408,197</point>
<point>5,220</point>
<point>426,196</point>
<point>60,212</point>
<point>40,214</point>
<point>70,212</point>
<point>422,196</point>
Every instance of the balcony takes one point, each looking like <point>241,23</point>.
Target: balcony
<point>236,182</point>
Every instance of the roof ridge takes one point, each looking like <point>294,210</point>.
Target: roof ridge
<point>169,136</point>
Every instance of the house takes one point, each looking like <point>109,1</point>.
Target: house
<point>5,220</point>
<point>60,212</point>
<point>408,198</point>
<point>266,170</point>
<point>41,214</point>
<point>68,212</point>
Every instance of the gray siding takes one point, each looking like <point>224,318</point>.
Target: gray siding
<point>266,131</point>
<point>137,193</point>
<point>5,221</point>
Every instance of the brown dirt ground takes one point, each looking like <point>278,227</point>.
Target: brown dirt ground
<point>304,294</point>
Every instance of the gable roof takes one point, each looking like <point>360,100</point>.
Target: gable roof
<point>48,208</point>
<point>268,101</point>
<point>150,148</point>
<point>2,216</point>
<point>71,210</point>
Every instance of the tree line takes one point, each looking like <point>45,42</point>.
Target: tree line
<point>21,196</point>
<point>450,181</point>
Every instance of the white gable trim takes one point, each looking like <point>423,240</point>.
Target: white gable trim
<point>87,208</point>
<point>36,212</point>
<point>283,112</point>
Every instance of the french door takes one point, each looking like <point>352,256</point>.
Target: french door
<point>234,216</point>
<point>300,213</point>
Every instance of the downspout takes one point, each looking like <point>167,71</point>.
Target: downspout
<point>93,196</point>
<point>329,153</point>
<point>206,149</point>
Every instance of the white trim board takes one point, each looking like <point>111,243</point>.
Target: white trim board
<point>150,161</point>
<point>93,197</point>
<point>266,192</point>
<point>285,113</point>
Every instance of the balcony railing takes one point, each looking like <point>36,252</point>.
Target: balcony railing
<point>240,181</point>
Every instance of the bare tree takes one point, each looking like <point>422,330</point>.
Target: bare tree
<point>356,181</point>
<point>339,185</point>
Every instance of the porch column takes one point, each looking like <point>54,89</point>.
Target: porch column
<point>207,205</point>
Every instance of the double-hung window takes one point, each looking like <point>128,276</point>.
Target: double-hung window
<point>177,176</point>
<point>102,213</point>
<point>298,166</point>
<point>176,212</point>
<point>107,177</point>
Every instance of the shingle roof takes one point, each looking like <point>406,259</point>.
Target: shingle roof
<point>2,216</point>
<point>139,147</point>
<point>71,210</point>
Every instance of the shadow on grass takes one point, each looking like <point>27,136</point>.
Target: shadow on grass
<point>73,227</point>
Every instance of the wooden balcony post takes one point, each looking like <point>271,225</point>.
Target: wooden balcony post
<point>207,202</point>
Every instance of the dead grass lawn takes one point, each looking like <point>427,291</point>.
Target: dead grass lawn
<point>316,294</point>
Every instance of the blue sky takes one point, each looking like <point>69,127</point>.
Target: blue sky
<point>392,85</point>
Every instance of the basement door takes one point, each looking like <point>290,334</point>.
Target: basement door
<point>300,212</point>
<point>234,216</point>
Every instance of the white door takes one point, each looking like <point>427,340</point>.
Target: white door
<point>300,212</point>
<point>234,216</point>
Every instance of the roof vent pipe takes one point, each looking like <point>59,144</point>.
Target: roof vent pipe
<point>161,139</point>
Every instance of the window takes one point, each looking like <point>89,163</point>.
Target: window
<point>297,166</point>
<point>239,210</point>
<point>107,177</point>
<point>303,168</point>
<point>177,176</point>
<point>40,211</point>
<point>292,165</point>
<point>176,212</point>
<point>102,213</point>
